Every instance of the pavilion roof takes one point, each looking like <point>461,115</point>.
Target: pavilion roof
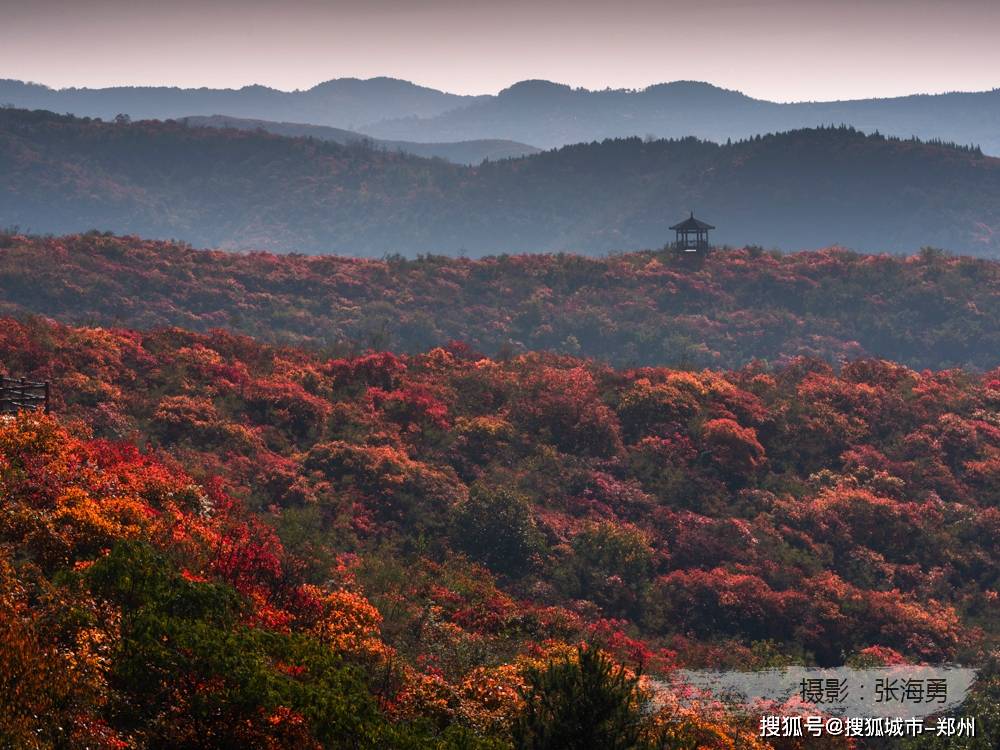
<point>691,224</point>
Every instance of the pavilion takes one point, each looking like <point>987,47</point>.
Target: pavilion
<point>692,235</point>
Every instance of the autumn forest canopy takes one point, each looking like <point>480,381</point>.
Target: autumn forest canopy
<point>928,310</point>
<point>304,539</point>
<point>222,539</point>
<point>430,455</point>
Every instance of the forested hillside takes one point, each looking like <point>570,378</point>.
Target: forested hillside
<point>236,189</point>
<point>927,310</point>
<point>470,152</point>
<point>386,551</point>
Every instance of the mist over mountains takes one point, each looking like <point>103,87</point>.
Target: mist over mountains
<point>548,115</point>
<point>460,152</point>
<point>236,189</point>
<point>539,113</point>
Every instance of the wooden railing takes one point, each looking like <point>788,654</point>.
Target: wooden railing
<point>17,394</point>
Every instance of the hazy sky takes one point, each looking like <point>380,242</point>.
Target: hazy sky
<point>776,49</point>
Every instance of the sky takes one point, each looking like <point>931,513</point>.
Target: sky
<point>783,50</point>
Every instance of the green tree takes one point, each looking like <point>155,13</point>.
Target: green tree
<point>983,705</point>
<point>580,703</point>
<point>188,671</point>
<point>495,526</point>
<point>611,565</point>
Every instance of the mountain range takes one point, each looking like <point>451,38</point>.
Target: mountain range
<point>548,115</point>
<point>540,113</point>
<point>343,103</point>
<point>236,189</point>
<point>461,152</point>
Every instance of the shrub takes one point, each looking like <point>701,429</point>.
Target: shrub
<point>495,526</point>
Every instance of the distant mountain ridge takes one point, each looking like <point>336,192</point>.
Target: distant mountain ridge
<point>249,189</point>
<point>342,103</point>
<point>550,115</point>
<point>461,152</point>
<point>538,112</point>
